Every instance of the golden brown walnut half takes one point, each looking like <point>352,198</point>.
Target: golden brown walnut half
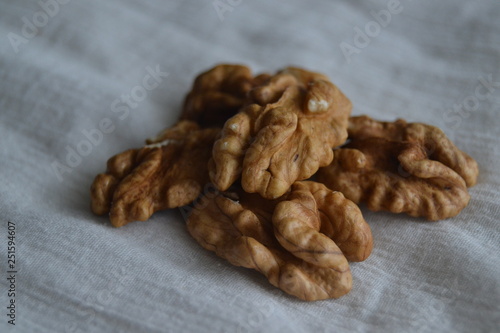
<point>299,242</point>
<point>296,118</point>
<point>398,173</point>
<point>437,145</point>
<point>169,172</point>
<point>218,94</point>
<point>312,220</point>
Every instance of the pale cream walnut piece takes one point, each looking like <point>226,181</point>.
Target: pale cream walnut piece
<point>218,94</point>
<point>285,134</point>
<point>396,176</point>
<point>248,230</point>
<point>437,145</point>
<point>169,172</point>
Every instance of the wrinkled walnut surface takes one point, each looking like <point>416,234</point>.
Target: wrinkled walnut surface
<point>299,242</point>
<point>401,168</point>
<point>437,145</point>
<point>312,220</point>
<point>169,172</point>
<point>218,94</point>
<point>277,131</point>
<point>286,134</point>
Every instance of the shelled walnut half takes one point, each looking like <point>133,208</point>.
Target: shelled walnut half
<point>402,168</point>
<point>218,94</point>
<point>169,172</point>
<point>300,242</point>
<point>284,134</point>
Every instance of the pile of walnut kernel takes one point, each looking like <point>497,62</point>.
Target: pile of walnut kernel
<point>288,184</point>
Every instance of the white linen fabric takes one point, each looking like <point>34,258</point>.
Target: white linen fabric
<point>83,80</point>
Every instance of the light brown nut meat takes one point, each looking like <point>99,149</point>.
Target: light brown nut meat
<point>286,135</point>
<point>436,143</point>
<point>218,94</point>
<point>242,229</point>
<point>313,221</point>
<point>169,172</point>
<point>396,176</point>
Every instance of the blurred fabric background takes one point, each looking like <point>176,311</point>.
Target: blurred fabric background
<point>66,68</point>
